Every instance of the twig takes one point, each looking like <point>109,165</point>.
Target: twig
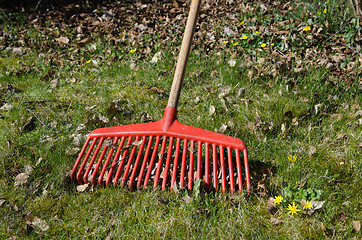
<point>37,5</point>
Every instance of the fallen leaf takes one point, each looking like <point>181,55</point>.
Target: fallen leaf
<point>40,223</point>
<point>83,187</point>
<point>317,204</point>
<point>54,83</point>
<point>211,110</point>
<point>187,199</point>
<point>312,151</point>
<point>156,57</point>
<point>271,206</point>
<point>223,128</point>
<point>6,107</point>
<point>275,221</point>
<point>137,143</point>
<point>156,90</point>
<point>356,226</point>
<point>2,201</point>
<point>174,188</point>
<point>64,40</point>
<point>21,178</point>
<point>232,62</point>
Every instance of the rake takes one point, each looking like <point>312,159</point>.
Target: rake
<point>164,152</point>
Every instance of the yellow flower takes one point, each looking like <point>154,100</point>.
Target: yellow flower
<point>272,44</point>
<point>235,44</point>
<point>307,205</point>
<point>292,158</point>
<point>257,32</point>
<point>226,42</point>
<point>307,28</point>
<point>88,61</point>
<point>318,12</point>
<point>325,10</point>
<point>244,37</point>
<point>293,209</point>
<point>241,23</point>
<point>278,199</point>
<point>327,2</point>
<point>263,45</point>
<point>133,51</point>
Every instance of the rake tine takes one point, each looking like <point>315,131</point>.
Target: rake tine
<point>207,177</point>
<point>136,163</point>
<point>148,149</point>
<point>167,165</point>
<point>78,159</point>
<point>223,174</point>
<point>125,174</point>
<point>174,172</point>
<point>231,173</point>
<point>199,148</point>
<point>191,169</point>
<point>122,161</point>
<point>98,164</point>
<point>246,165</point>
<point>150,166</point>
<point>183,164</point>
<point>90,165</point>
<point>238,168</point>
<point>100,178</point>
<point>79,174</point>
<point>159,163</point>
<point>115,161</point>
<point>214,166</point>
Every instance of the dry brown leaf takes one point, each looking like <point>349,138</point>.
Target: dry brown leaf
<point>275,221</point>
<point>40,223</point>
<point>211,110</point>
<point>64,40</point>
<point>83,187</point>
<point>21,178</point>
<point>356,226</point>
<point>156,90</point>
<point>271,206</point>
<point>187,199</point>
<point>137,143</point>
<point>317,204</point>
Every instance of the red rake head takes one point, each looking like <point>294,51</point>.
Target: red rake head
<point>127,154</point>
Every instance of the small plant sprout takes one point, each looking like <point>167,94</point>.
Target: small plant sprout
<point>132,51</point>
<point>307,205</point>
<point>293,209</point>
<point>226,42</point>
<point>236,43</point>
<point>263,45</point>
<point>292,158</point>
<point>244,37</point>
<point>306,29</point>
<point>278,199</point>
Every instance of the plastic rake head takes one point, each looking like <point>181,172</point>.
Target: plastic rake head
<point>165,153</point>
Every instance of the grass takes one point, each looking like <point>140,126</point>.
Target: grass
<point>306,114</point>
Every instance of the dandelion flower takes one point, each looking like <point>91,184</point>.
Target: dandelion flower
<point>307,205</point>
<point>88,61</point>
<point>133,51</point>
<point>257,32</point>
<point>307,28</point>
<point>226,42</point>
<point>325,10</point>
<point>244,37</point>
<point>241,23</point>
<point>278,199</point>
<point>272,44</point>
<point>318,12</point>
<point>292,158</point>
<point>293,209</point>
<point>235,44</point>
<point>263,45</point>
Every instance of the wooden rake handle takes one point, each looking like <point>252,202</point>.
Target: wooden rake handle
<point>184,54</point>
